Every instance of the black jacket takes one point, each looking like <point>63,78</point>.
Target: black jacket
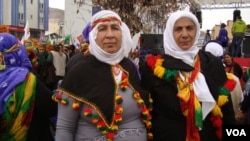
<point>45,109</point>
<point>168,121</point>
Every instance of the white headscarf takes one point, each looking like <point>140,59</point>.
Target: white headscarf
<point>100,54</point>
<point>170,47</point>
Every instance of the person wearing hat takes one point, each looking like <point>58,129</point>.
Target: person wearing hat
<point>25,103</point>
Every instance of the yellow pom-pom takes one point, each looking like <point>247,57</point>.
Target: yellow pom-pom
<point>114,128</point>
<point>148,124</point>
<point>217,111</point>
<point>159,62</point>
<point>159,71</point>
<point>222,100</point>
<point>75,105</point>
<point>150,100</point>
<point>150,136</point>
<point>94,120</point>
<point>136,95</point>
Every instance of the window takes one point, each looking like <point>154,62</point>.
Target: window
<point>20,2</point>
<point>41,7</point>
<point>20,17</point>
<point>41,20</point>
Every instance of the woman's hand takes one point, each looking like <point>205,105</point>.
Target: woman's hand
<point>240,117</point>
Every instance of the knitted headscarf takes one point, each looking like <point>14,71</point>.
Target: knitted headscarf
<point>14,66</point>
<point>188,56</point>
<point>100,54</point>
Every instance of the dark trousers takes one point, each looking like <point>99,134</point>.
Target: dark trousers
<point>236,46</point>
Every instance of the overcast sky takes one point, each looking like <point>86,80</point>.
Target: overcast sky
<point>209,17</point>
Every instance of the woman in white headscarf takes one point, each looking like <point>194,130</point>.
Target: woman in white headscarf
<point>100,97</point>
<point>185,84</point>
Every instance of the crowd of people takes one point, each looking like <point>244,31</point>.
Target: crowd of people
<point>239,31</point>
<point>101,93</point>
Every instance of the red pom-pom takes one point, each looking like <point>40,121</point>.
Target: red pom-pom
<point>58,96</point>
<point>110,135</point>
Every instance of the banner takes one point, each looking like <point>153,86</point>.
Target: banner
<point>26,32</point>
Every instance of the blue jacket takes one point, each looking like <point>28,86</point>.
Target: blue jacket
<point>223,35</point>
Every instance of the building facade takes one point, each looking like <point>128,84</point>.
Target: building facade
<point>16,13</point>
<point>56,22</point>
<point>76,18</point>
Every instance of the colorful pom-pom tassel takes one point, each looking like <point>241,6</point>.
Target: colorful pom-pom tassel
<point>119,109</point>
<point>140,102</point>
<point>75,105</point>
<point>118,99</point>
<point>58,96</point>
<point>101,126</point>
<point>110,136</point>
<point>222,100</point>
<point>64,101</point>
<point>150,136</point>
<point>118,118</point>
<point>136,95</point>
<point>87,112</point>
<point>114,128</point>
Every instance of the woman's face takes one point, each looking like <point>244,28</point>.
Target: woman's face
<point>184,33</point>
<point>227,59</point>
<point>109,36</point>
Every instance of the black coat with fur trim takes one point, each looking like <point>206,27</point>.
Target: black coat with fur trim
<point>168,121</point>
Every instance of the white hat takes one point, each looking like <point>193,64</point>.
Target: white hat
<point>214,48</point>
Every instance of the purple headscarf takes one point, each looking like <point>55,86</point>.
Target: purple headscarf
<point>15,65</point>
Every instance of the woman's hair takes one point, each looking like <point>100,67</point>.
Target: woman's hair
<point>223,25</point>
<point>57,47</point>
<point>248,26</point>
<point>227,53</point>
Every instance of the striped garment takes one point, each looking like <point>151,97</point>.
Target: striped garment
<point>18,111</point>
